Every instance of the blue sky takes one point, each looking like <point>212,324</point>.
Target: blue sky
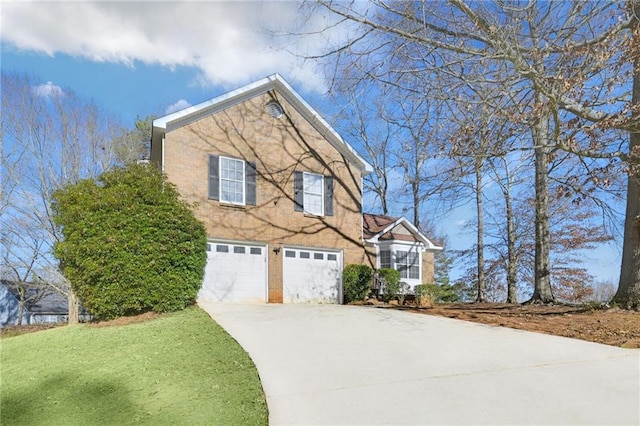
<point>141,58</point>
<point>123,90</point>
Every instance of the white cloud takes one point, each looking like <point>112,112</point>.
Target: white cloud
<point>48,89</point>
<point>181,104</point>
<point>230,43</point>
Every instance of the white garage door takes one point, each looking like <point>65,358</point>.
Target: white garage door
<point>312,276</point>
<point>235,272</point>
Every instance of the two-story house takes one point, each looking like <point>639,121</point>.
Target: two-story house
<point>280,193</point>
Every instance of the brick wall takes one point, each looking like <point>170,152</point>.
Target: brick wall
<point>278,146</point>
<point>427,267</point>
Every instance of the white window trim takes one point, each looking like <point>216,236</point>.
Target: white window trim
<point>396,246</point>
<point>220,179</point>
<point>406,266</point>
<point>388,250</point>
<point>304,193</point>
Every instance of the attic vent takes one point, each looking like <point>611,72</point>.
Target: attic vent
<point>274,109</point>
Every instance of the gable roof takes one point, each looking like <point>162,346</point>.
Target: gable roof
<point>380,228</point>
<point>273,82</point>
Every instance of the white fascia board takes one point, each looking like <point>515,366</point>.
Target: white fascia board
<point>195,112</point>
<point>428,245</point>
<point>275,81</point>
<point>320,124</point>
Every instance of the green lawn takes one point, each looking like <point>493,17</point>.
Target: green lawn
<point>181,368</point>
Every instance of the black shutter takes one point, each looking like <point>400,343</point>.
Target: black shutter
<point>250,183</point>
<point>328,196</point>
<point>298,191</point>
<point>214,179</point>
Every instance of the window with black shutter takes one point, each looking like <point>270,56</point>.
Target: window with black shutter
<point>232,180</point>
<point>313,193</point>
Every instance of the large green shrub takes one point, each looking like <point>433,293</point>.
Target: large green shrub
<point>356,282</point>
<point>130,244</point>
<point>391,281</point>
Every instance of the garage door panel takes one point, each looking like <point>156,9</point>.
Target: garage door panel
<point>312,276</point>
<point>235,273</point>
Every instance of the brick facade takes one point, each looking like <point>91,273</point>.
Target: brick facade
<point>427,267</point>
<point>278,146</point>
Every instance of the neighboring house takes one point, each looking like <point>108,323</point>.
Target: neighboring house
<point>42,305</point>
<point>10,307</point>
<point>279,191</point>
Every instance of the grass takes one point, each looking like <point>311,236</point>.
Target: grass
<point>181,368</point>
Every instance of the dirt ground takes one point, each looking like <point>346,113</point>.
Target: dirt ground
<point>17,330</point>
<point>612,326</point>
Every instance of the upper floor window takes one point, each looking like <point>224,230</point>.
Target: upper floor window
<point>313,193</point>
<point>232,180</point>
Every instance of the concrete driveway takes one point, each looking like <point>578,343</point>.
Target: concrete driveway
<point>329,364</point>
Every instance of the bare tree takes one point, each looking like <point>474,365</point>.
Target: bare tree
<point>134,145</point>
<point>55,139</point>
<point>628,293</point>
<point>603,291</point>
<point>508,173</point>
<point>21,254</point>
<point>369,128</point>
<point>557,57</point>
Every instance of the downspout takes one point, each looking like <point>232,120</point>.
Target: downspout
<point>162,157</point>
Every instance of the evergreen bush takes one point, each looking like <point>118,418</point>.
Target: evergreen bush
<point>356,281</point>
<point>391,281</point>
<point>130,244</point>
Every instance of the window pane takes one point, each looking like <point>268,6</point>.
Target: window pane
<point>332,257</point>
<point>304,255</point>
<point>385,259</point>
<point>290,253</point>
<point>231,180</point>
<point>222,249</point>
<point>239,249</point>
<point>403,271</point>
<point>313,183</point>
<point>313,193</point>
<point>256,250</point>
<point>318,256</point>
<point>408,264</point>
<point>313,204</point>
<point>414,272</point>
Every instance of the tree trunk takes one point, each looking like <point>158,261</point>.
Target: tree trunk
<point>512,296</point>
<point>416,201</point>
<point>383,201</point>
<point>482,286</point>
<point>628,294</point>
<point>74,308</point>
<point>542,292</point>
<point>20,311</point>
